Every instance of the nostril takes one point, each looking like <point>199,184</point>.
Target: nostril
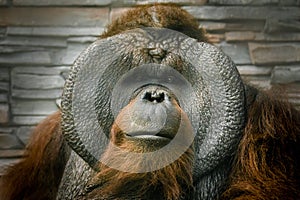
<point>154,96</point>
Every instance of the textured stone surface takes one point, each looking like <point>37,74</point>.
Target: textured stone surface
<point>4,74</point>
<point>24,133</point>
<point>40,70</point>
<point>237,51</point>
<point>26,58</point>
<point>34,41</point>
<point>277,25</point>
<point>8,141</point>
<point>134,2</point>
<point>4,87</point>
<point>285,74</point>
<point>258,36</point>
<point>55,31</point>
<point>3,98</point>
<point>27,120</point>
<point>61,2</point>
<point>26,81</point>
<point>274,53</point>
<point>69,55</point>
<point>4,114</point>
<point>233,26</point>
<point>33,107</point>
<point>37,93</point>
<point>254,70</point>
<point>54,16</point>
<point>243,2</point>
<point>242,12</point>
<point>16,153</point>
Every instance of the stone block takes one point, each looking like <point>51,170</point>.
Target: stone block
<point>289,2</point>
<point>40,70</point>
<point>36,94</point>
<point>233,26</point>
<point>55,31</point>
<point>9,141</point>
<point>285,25</point>
<point>4,74</point>
<point>3,98</point>
<point>34,41</point>
<point>33,107</point>
<point>54,16</point>
<point>27,120</point>
<point>242,12</point>
<point>4,114</point>
<point>4,87</point>
<point>274,53</point>
<point>12,153</point>
<point>87,39</point>
<point>285,74</point>
<point>238,52</point>
<point>27,81</point>
<point>243,2</point>
<point>24,133</point>
<point>69,55</point>
<point>2,29</point>
<point>255,70</point>
<point>259,36</point>
<point>26,58</point>
<point>5,49</point>
<point>134,2</point>
<point>61,2</point>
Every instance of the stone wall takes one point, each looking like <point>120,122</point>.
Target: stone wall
<point>40,39</point>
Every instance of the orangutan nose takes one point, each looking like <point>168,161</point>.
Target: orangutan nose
<point>155,96</point>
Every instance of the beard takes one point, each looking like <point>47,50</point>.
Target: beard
<point>173,181</point>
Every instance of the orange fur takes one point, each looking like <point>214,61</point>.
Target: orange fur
<point>38,175</point>
<point>268,163</point>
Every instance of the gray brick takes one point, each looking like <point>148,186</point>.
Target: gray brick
<point>289,2</point>
<point>69,55</point>
<point>254,70</point>
<point>233,26</point>
<point>9,141</point>
<point>4,163</point>
<point>55,31</point>
<point>4,74</point>
<point>37,94</point>
<point>61,2</point>
<point>26,81</point>
<point>4,113</point>
<point>4,87</point>
<point>238,52</point>
<point>24,133</point>
<point>11,153</point>
<point>88,40</point>
<point>255,36</point>
<point>2,29</point>
<point>34,41</point>
<point>3,98</point>
<point>27,120</point>
<point>243,2</point>
<point>33,107</point>
<point>26,58</point>
<point>54,16</point>
<point>4,49</point>
<point>286,25</point>
<point>40,70</point>
<point>134,2</point>
<point>242,12</point>
<point>6,130</point>
<point>274,53</point>
<point>285,74</point>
